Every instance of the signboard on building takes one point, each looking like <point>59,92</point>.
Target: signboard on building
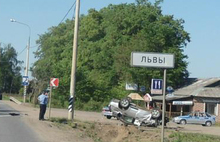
<point>156,86</point>
<point>131,86</point>
<point>182,102</point>
<point>147,59</point>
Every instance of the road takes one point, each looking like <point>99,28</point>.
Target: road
<point>12,127</point>
<point>49,132</point>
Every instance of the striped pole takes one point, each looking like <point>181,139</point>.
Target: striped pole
<point>70,107</point>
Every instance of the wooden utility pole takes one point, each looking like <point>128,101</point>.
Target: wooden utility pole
<point>74,58</point>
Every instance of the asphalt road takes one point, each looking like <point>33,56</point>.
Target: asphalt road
<point>12,127</point>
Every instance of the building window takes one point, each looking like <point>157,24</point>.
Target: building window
<point>212,108</point>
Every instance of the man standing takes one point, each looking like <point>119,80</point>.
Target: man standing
<point>43,99</point>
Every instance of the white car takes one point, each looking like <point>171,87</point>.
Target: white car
<point>129,113</point>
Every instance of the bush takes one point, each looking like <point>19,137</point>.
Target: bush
<point>90,106</point>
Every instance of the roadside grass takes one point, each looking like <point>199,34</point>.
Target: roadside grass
<point>89,129</point>
<point>217,124</point>
<point>5,97</point>
<point>19,97</point>
<point>192,137</point>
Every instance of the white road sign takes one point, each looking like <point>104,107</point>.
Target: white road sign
<point>147,59</point>
<point>156,86</point>
<point>25,81</point>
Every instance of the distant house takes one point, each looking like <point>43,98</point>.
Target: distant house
<point>201,95</point>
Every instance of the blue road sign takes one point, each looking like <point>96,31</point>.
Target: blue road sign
<point>156,86</point>
<point>25,81</point>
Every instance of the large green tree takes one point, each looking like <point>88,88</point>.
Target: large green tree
<point>106,40</point>
<point>10,67</point>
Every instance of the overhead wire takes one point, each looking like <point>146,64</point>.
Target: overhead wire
<point>68,12</point>
<point>22,51</point>
<point>25,48</point>
<point>74,13</point>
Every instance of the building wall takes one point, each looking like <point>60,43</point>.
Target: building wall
<point>200,106</point>
<point>218,117</point>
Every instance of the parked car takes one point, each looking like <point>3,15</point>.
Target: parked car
<point>202,118</point>
<point>129,113</point>
<point>107,112</point>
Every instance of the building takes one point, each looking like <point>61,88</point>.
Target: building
<point>201,95</point>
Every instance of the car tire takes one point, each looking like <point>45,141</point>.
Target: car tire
<point>109,117</point>
<point>129,99</point>
<point>156,123</point>
<point>155,113</point>
<point>208,123</point>
<point>183,122</point>
<point>124,103</point>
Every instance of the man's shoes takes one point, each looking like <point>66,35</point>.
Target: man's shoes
<point>42,119</point>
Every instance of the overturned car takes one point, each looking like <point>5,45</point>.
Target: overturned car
<point>129,113</point>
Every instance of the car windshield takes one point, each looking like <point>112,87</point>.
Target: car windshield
<point>207,114</point>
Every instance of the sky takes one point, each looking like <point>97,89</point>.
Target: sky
<point>202,21</point>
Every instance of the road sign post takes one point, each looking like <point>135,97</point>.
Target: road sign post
<point>156,60</point>
<point>54,82</point>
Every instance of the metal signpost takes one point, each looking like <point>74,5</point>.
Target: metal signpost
<point>54,82</point>
<point>157,60</point>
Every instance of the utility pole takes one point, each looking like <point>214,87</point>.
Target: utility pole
<point>26,69</point>
<point>27,57</point>
<point>74,58</point>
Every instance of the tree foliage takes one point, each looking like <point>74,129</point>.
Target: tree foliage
<point>10,77</point>
<point>106,40</point>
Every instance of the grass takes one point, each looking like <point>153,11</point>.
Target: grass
<point>5,97</point>
<point>217,124</point>
<point>20,98</point>
<point>88,128</point>
<point>192,137</point>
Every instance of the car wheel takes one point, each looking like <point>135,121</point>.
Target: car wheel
<point>109,117</point>
<point>208,123</point>
<point>156,123</point>
<point>183,122</point>
<point>129,99</point>
<point>155,113</point>
<point>124,103</point>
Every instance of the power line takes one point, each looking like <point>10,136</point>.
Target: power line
<point>74,13</point>
<point>68,12</point>
<point>22,51</point>
<point>26,47</point>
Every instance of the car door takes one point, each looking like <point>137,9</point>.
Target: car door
<point>190,118</point>
<point>202,118</point>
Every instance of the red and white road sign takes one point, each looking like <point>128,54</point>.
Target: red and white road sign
<point>54,82</point>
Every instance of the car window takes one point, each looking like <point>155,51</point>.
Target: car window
<point>208,115</point>
<point>201,115</point>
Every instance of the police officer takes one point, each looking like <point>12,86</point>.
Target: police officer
<point>43,100</point>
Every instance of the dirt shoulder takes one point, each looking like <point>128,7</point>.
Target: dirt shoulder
<point>46,130</point>
<point>92,126</point>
